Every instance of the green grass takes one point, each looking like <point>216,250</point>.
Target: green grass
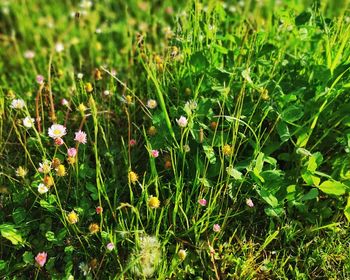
<point>264,87</point>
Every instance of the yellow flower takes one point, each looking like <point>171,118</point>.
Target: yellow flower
<point>133,177</point>
<point>227,150</point>
<point>82,108</point>
<point>21,172</point>
<point>48,181</point>
<point>94,228</point>
<point>97,74</point>
<point>55,162</point>
<point>72,217</point>
<point>128,99</point>
<point>88,87</point>
<point>264,94</point>
<point>61,170</point>
<point>182,254</point>
<point>153,202</point>
<point>152,131</point>
<point>71,160</point>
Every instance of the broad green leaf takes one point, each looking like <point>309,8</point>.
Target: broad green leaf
<point>3,264</point>
<point>283,131</point>
<point>312,165</point>
<point>234,173</point>
<point>28,257</point>
<point>9,232</point>
<point>332,187</point>
<point>269,198</point>
<point>292,114</point>
<point>312,194</point>
<point>259,163</point>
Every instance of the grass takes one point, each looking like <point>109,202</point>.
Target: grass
<point>217,140</point>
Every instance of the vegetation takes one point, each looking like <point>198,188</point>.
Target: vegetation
<point>174,139</point>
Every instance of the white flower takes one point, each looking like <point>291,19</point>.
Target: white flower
<point>59,47</point>
<point>152,104</point>
<point>28,122</point>
<point>57,131</point>
<point>106,92</point>
<point>17,104</point>
<point>80,76</point>
<point>42,188</point>
<point>182,121</point>
<point>29,54</point>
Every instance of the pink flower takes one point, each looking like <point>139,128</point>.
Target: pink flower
<point>80,136</point>
<point>64,102</point>
<point>72,152</point>
<point>182,121</point>
<point>99,210</point>
<point>249,202</point>
<point>202,202</point>
<point>41,259</point>
<point>39,79</point>
<point>154,153</point>
<point>59,141</point>
<point>110,246</point>
<point>216,228</point>
<point>132,142</point>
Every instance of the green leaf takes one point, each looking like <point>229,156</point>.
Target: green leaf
<point>28,257</point>
<point>312,194</point>
<point>237,175</point>
<point>292,113</point>
<point>332,187</point>
<point>3,264</point>
<point>347,209</point>
<point>47,206</point>
<point>269,198</point>
<point>209,152</point>
<point>50,236</point>
<point>259,163</point>
<point>283,131</point>
<point>312,165</point>
<point>9,232</point>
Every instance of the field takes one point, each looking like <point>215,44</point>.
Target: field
<point>174,139</point>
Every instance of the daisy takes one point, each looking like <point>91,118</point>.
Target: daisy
<point>28,122</point>
<point>57,131</point>
<point>17,104</point>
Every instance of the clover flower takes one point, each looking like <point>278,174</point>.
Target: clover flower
<point>182,121</point>
<point>80,137</point>
<point>17,104</point>
<point>21,171</point>
<point>153,202</point>
<point>202,202</point>
<point>72,217</point>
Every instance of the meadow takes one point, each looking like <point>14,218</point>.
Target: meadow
<point>174,139</point>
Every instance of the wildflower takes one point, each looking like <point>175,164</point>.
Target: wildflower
<point>106,93</point>
<point>94,228</point>
<point>190,105</point>
<point>99,210</point>
<point>227,150</point>
<point>48,181</point>
<point>152,104</point>
<point>202,201</point>
<point>249,202</point>
<point>39,79</point>
<point>128,99</point>
<point>132,142</point>
<point>72,217</point>
<point>72,152</point>
<point>59,47</point>
<point>84,268</point>
<point>64,102</point>
<point>152,131</point>
<point>21,172</point>
<point>71,160</point>
<point>41,259</point>
<point>133,177</point>
<point>154,153</point>
<point>59,141</point>
<point>55,162</point>
<point>153,202</point>
<point>80,76</point>
<point>182,121</point>
<point>57,131</point>
<point>80,137</point>
<point>88,87</point>
<point>186,148</point>
<point>45,167</point>
<point>82,108</point>
<point>167,164</point>
<point>216,228</point>
<point>182,254</point>
<point>110,246</point>
<point>17,104</point>
<point>98,75</point>
<point>61,170</point>
<point>29,54</point>
<point>42,188</point>
<point>147,257</point>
